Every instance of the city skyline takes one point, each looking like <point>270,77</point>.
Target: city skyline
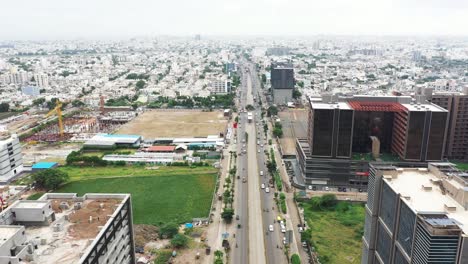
<point>52,19</point>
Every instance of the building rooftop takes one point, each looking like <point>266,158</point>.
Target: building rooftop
<point>335,105</point>
<point>120,136</point>
<point>7,231</point>
<point>72,232</point>
<point>424,107</point>
<point>44,165</point>
<point>161,148</point>
<point>30,204</point>
<point>426,191</point>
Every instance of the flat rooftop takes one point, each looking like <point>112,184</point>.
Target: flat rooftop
<point>424,107</point>
<point>7,231</point>
<point>334,105</point>
<point>30,204</point>
<point>425,194</point>
<point>74,230</point>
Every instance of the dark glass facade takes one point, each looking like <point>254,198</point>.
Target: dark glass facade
<point>367,124</point>
<point>407,220</point>
<point>435,144</point>
<point>282,78</point>
<point>415,135</point>
<point>388,206</point>
<point>323,133</point>
<point>345,128</point>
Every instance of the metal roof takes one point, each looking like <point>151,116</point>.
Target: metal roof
<point>44,165</point>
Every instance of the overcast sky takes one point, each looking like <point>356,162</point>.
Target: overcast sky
<point>49,19</point>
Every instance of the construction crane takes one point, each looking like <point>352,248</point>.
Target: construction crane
<point>58,111</point>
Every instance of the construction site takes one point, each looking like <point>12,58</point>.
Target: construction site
<point>65,228</point>
<point>58,125</point>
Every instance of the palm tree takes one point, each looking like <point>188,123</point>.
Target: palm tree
<point>219,254</point>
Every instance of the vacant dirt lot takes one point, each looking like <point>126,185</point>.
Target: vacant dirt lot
<point>294,122</point>
<point>176,123</point>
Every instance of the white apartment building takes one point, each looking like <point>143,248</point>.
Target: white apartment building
<point>443,85</point>
<point>42,80</point>
<point>220,87</point>
<point>65,228</point>
<point>11,160</point>
<point>21,77</point>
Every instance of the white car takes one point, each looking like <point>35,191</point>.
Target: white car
<point>263,186</point>
<point>310,187</point>
<point>270,228</point>
<point>283,229</point>
<point>267,190</point>
<point>261,173</point>
<point>258,151</point>
<point>326,188</point>
<point>261,145</point>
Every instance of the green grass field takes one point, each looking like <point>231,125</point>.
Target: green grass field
<point>83,173</point>
<point>461,165</point>
<point>168,194</point>
<point>337,232</point>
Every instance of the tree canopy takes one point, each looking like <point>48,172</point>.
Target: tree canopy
<point>50,179</point>
<point>179,241</point>
<point>4,107</point>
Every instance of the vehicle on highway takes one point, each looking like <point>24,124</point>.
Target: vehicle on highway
<point>263,186</point>
<point>271,228</point>
<point>267,190</point>
<point>261,173</point>
<point>283,228</point>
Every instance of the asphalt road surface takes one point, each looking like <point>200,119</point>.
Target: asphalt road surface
<point>254,206</point>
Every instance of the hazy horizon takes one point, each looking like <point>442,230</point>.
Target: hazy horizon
<point>54,19</point>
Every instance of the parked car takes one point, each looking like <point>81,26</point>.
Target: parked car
<point>267,190</point>
<point>271,228</point>
<point>263,186</point>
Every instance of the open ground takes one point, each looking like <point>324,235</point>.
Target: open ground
<point>294,122</point>
<point>175,123</point>
<point>5,115</point>
<point>337,232</point>
<point>159,195</point>
<point>53,152</point>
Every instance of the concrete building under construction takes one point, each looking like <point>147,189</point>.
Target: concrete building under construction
<point>65,228</point>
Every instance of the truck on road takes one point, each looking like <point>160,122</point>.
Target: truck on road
<point>250,117</point>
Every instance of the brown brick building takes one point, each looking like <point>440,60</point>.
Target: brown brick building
<point>457,133</point>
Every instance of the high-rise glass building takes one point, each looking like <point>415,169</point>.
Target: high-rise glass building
<point>416,215</point>
<point>345,133</point>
